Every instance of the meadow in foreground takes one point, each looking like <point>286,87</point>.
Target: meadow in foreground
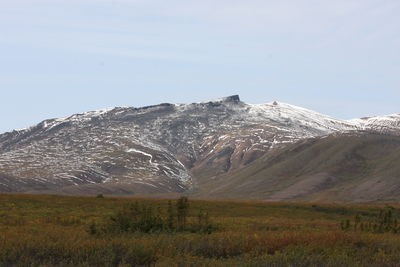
<point>69,231</point>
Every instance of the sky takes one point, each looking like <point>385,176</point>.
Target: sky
<point>57,58</point>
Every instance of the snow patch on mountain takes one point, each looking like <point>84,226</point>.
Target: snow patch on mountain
<point>388,124</point>
<point>293,116</point>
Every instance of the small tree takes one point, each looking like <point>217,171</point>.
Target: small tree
<point>182,207</point>
<point>357,220</point>
<point>170,216</point>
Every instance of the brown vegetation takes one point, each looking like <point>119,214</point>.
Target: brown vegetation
<point>55,231</point>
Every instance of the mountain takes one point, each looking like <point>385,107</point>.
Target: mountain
<point>389,124</point>
<point>162,148</point>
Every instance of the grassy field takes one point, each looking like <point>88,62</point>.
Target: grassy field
<point>55,231</point>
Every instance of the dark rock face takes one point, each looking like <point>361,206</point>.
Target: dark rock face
<point>160,148</point>
<point>232,99</point>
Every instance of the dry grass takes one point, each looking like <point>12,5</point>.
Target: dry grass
<point>53,231</point>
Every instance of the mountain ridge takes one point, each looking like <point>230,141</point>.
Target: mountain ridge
<point>161,148</point>
<point>362,123</point>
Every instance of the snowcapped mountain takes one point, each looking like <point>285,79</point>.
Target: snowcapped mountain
<point>385,124</point>
<point>161,148</point>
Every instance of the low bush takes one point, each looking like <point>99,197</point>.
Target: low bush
<point>146,218</point>
<point>385,222</point>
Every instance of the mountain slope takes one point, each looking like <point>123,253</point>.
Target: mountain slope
<point>389,124</point>
<point>156,149</point>
<point>353,167</point>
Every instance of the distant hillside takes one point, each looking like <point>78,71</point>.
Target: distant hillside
<point>360,167</point>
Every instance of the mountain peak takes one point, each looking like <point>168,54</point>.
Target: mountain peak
<point>232,98</point>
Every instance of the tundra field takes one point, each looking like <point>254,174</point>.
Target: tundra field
<point>46,230</point>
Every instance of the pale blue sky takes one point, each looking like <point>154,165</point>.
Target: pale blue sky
<point>341,57</point>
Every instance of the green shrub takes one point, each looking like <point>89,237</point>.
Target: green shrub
<point>147,219</point>
<point>385,222</point>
